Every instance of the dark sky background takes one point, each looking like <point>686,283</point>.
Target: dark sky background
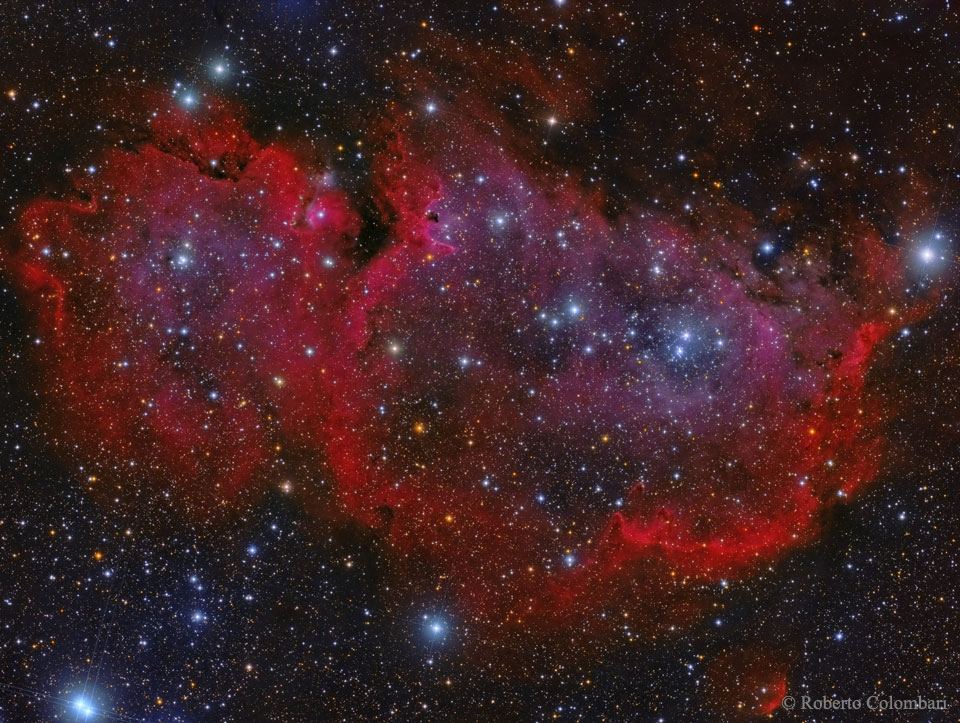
<point>298,573</point>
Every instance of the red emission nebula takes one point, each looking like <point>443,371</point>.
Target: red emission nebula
<point>542,407</point>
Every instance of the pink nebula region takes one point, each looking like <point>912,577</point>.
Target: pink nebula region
<point>543,407</point>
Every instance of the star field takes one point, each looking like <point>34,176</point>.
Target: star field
<point>527,361</point>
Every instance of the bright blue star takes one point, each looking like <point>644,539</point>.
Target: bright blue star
<point>83,707</point>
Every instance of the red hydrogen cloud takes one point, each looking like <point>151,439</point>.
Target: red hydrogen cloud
<point>584,412</point>
<point>196,302</point>
<point>747,683</point>
<point>551,410</point>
